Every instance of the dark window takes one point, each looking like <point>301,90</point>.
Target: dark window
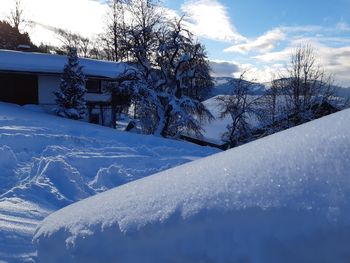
<point>93,86</point>
<point>19,88</point>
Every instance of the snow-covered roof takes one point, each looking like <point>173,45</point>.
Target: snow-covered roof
<point>53,64</point>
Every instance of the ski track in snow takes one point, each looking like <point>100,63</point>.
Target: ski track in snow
<point>48,162</point>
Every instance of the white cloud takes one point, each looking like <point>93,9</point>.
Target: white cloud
<point>205,18</point>
<point>303,29</point>
<point>210,19</point>
<point>262,74</point>
<point>337,28</point>
<point>335,60</point>
<point>276,56</point>
<point>332,52</point>
<point>83,16</point>
<point>342,26</point>
<point>264,43</point>
<point>269,41</point>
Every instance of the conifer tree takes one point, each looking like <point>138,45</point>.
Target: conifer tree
<point>70,98</point>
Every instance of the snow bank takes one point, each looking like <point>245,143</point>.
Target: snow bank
<point>17,220</point>
<point>63,161</point>
<point>115,175</point>
<point>8,164</point>
<point>49,162</point>
<point>51,181</point>
<point>284,198</point>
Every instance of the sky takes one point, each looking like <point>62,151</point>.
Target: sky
<point>257,36</point>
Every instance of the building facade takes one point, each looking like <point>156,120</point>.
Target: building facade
<point>32,78</point>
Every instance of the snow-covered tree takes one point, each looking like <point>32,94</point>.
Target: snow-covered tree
<point>70,98</point>
<point>171,70</point>
<point>182,64</point>
<point>183,61</point>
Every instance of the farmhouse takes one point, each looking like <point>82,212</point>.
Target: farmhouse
<point>31,78</point>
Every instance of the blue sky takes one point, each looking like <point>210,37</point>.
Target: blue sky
<point>240,35</point>
<point>259,36</point>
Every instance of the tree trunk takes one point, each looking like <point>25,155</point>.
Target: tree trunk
<point>165,130</point>
<point>114,114</point>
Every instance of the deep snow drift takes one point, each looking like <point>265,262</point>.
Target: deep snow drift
<point>284,198</point>
<point>48,162</point>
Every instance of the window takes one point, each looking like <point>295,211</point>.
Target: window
<point>93,86</point>
<point>19,88</point>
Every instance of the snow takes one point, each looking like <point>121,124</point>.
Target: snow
<point>283,198</point>
<point>48,63</point>
<point>8,162</point>
<point>49,162</point>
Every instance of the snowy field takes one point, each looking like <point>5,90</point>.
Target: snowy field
<point>284,198</point>
<point>49,162</point>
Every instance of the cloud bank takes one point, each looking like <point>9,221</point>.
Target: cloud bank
<point>210,19</point>
<point>264,43</point>
<point>83,16</point>
<point>223,68</point>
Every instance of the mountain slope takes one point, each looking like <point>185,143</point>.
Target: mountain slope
<point>226,86</point>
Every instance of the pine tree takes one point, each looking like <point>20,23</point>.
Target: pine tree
<point>71,95</point>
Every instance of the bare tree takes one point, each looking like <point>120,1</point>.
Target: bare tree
<point>73,40</point>
<point>240,106</point>
<point>116,24</point>
<point>273,107</point>
<point>16,17</point>
<point>141,33</point>
<point>305,85</point>
<point>129,23</point>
